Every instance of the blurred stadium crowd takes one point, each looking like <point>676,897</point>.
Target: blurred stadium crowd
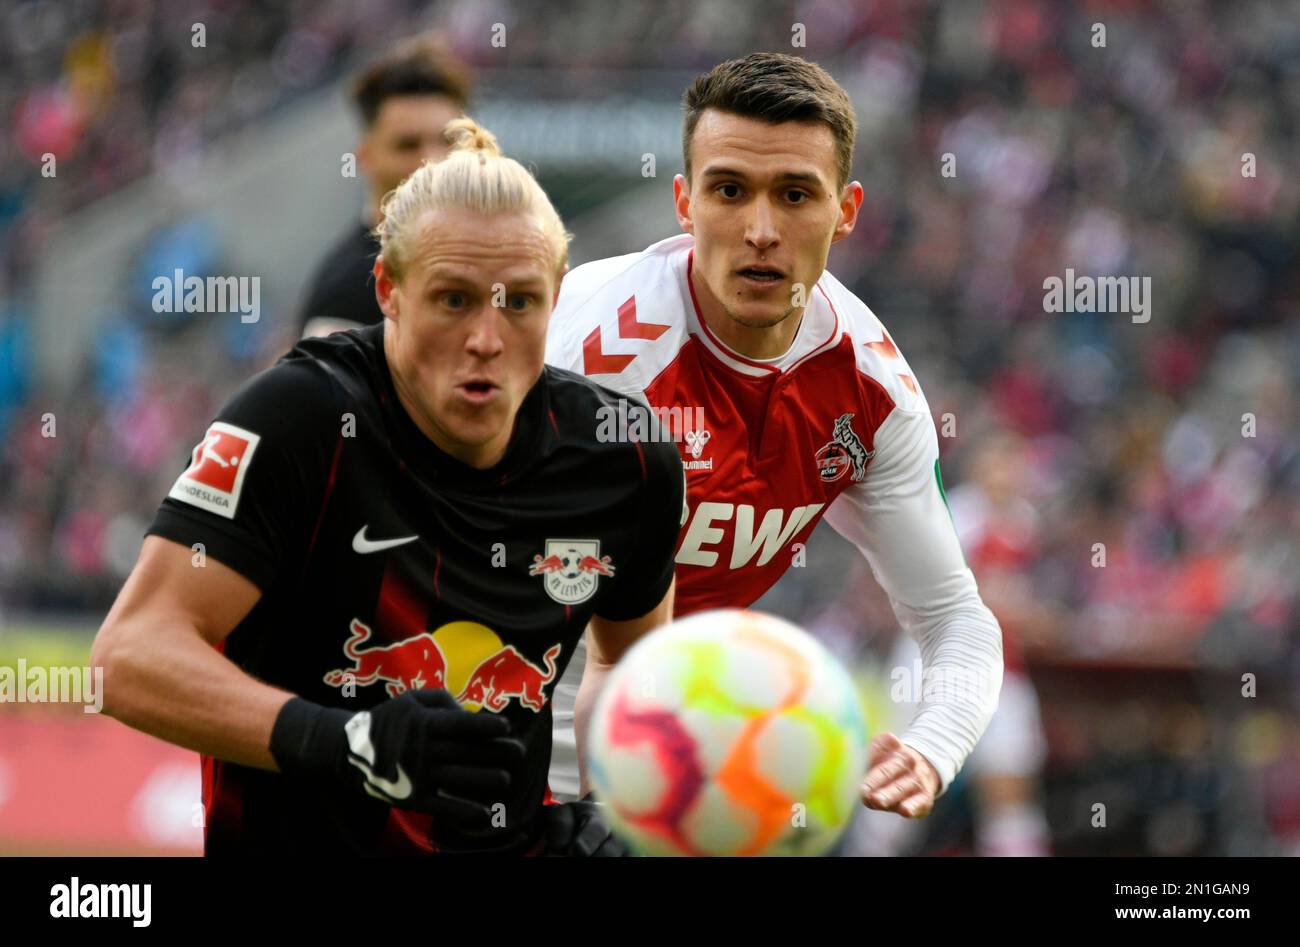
<point>1172,442</point>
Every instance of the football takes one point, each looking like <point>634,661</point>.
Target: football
<point>728,733</point>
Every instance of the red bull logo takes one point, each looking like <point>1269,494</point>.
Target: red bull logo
<point>572,568</point>
<point>465,658</point>
<point>509,674</point>
<point>412,664</point>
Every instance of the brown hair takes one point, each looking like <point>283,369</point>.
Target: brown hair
<point>421,65</point>
<point>475,176</point>
<point>774,87</point>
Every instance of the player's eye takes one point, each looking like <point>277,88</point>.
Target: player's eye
<point>796,196</point>
<point>729,191</point>
<point>519,302</point>
<point>454,300</point>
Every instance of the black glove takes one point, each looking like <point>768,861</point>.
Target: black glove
<point>419,751</point>
<point>579,829</point>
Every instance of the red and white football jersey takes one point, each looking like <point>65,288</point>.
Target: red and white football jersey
<point>837,426</point>
<point>771,446</point>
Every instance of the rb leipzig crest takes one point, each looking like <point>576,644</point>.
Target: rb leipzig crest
<point>572,568</point>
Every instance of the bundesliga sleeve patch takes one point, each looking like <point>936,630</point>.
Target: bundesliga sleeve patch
<point>215,476</point>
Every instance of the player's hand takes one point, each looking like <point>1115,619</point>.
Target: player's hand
<point>419,751</point>
<point>579,829</point>
<point>899,779</point>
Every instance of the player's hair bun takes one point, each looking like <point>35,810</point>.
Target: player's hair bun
<point>465,134</point>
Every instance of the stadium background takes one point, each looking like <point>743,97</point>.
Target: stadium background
<point>1070,429</point>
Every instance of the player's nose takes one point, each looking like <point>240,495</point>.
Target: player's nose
<point>485,339</point>
<point>760,228</point>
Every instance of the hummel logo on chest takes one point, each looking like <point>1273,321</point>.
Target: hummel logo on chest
<point>362,546</point>
<point>696,441</point>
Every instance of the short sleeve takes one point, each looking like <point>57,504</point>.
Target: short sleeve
<point>646,577</point>
<point>254,484</point>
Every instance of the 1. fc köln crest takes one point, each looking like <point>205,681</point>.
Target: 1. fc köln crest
<point>572,568</point>
<point>845,452</point>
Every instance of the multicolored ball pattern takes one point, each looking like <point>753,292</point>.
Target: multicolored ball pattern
<point>728,733</point>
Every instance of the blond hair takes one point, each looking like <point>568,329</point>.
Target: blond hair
<point>475,176</point>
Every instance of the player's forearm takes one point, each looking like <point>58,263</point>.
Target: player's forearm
<point>171,684</point>
<point>961,666</point>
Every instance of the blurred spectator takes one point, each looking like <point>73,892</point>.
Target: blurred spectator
<point>405,100</point>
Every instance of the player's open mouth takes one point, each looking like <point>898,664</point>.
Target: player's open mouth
<point>761,275</point>
<point>477,391</point>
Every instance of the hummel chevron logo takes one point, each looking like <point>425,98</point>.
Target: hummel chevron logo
<point>888,350</point>
<point>595,361</point>
<point>885,346</point>
<point>363,546</point>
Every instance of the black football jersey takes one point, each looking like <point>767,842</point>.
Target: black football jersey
<point>387,565</point>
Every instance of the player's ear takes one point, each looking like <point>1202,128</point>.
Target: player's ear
<point>850,204</point>
<point>682,203</point>
<point>384,290</point>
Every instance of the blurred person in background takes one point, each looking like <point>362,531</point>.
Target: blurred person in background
<point>405,100</point>
<point>1000,530</point>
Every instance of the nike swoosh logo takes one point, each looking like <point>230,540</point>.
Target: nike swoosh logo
<point>385,790</point>
<point>362,756</point>
<point>363,546</point>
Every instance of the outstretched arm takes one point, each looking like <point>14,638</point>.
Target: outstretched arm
<point>899,519</point>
